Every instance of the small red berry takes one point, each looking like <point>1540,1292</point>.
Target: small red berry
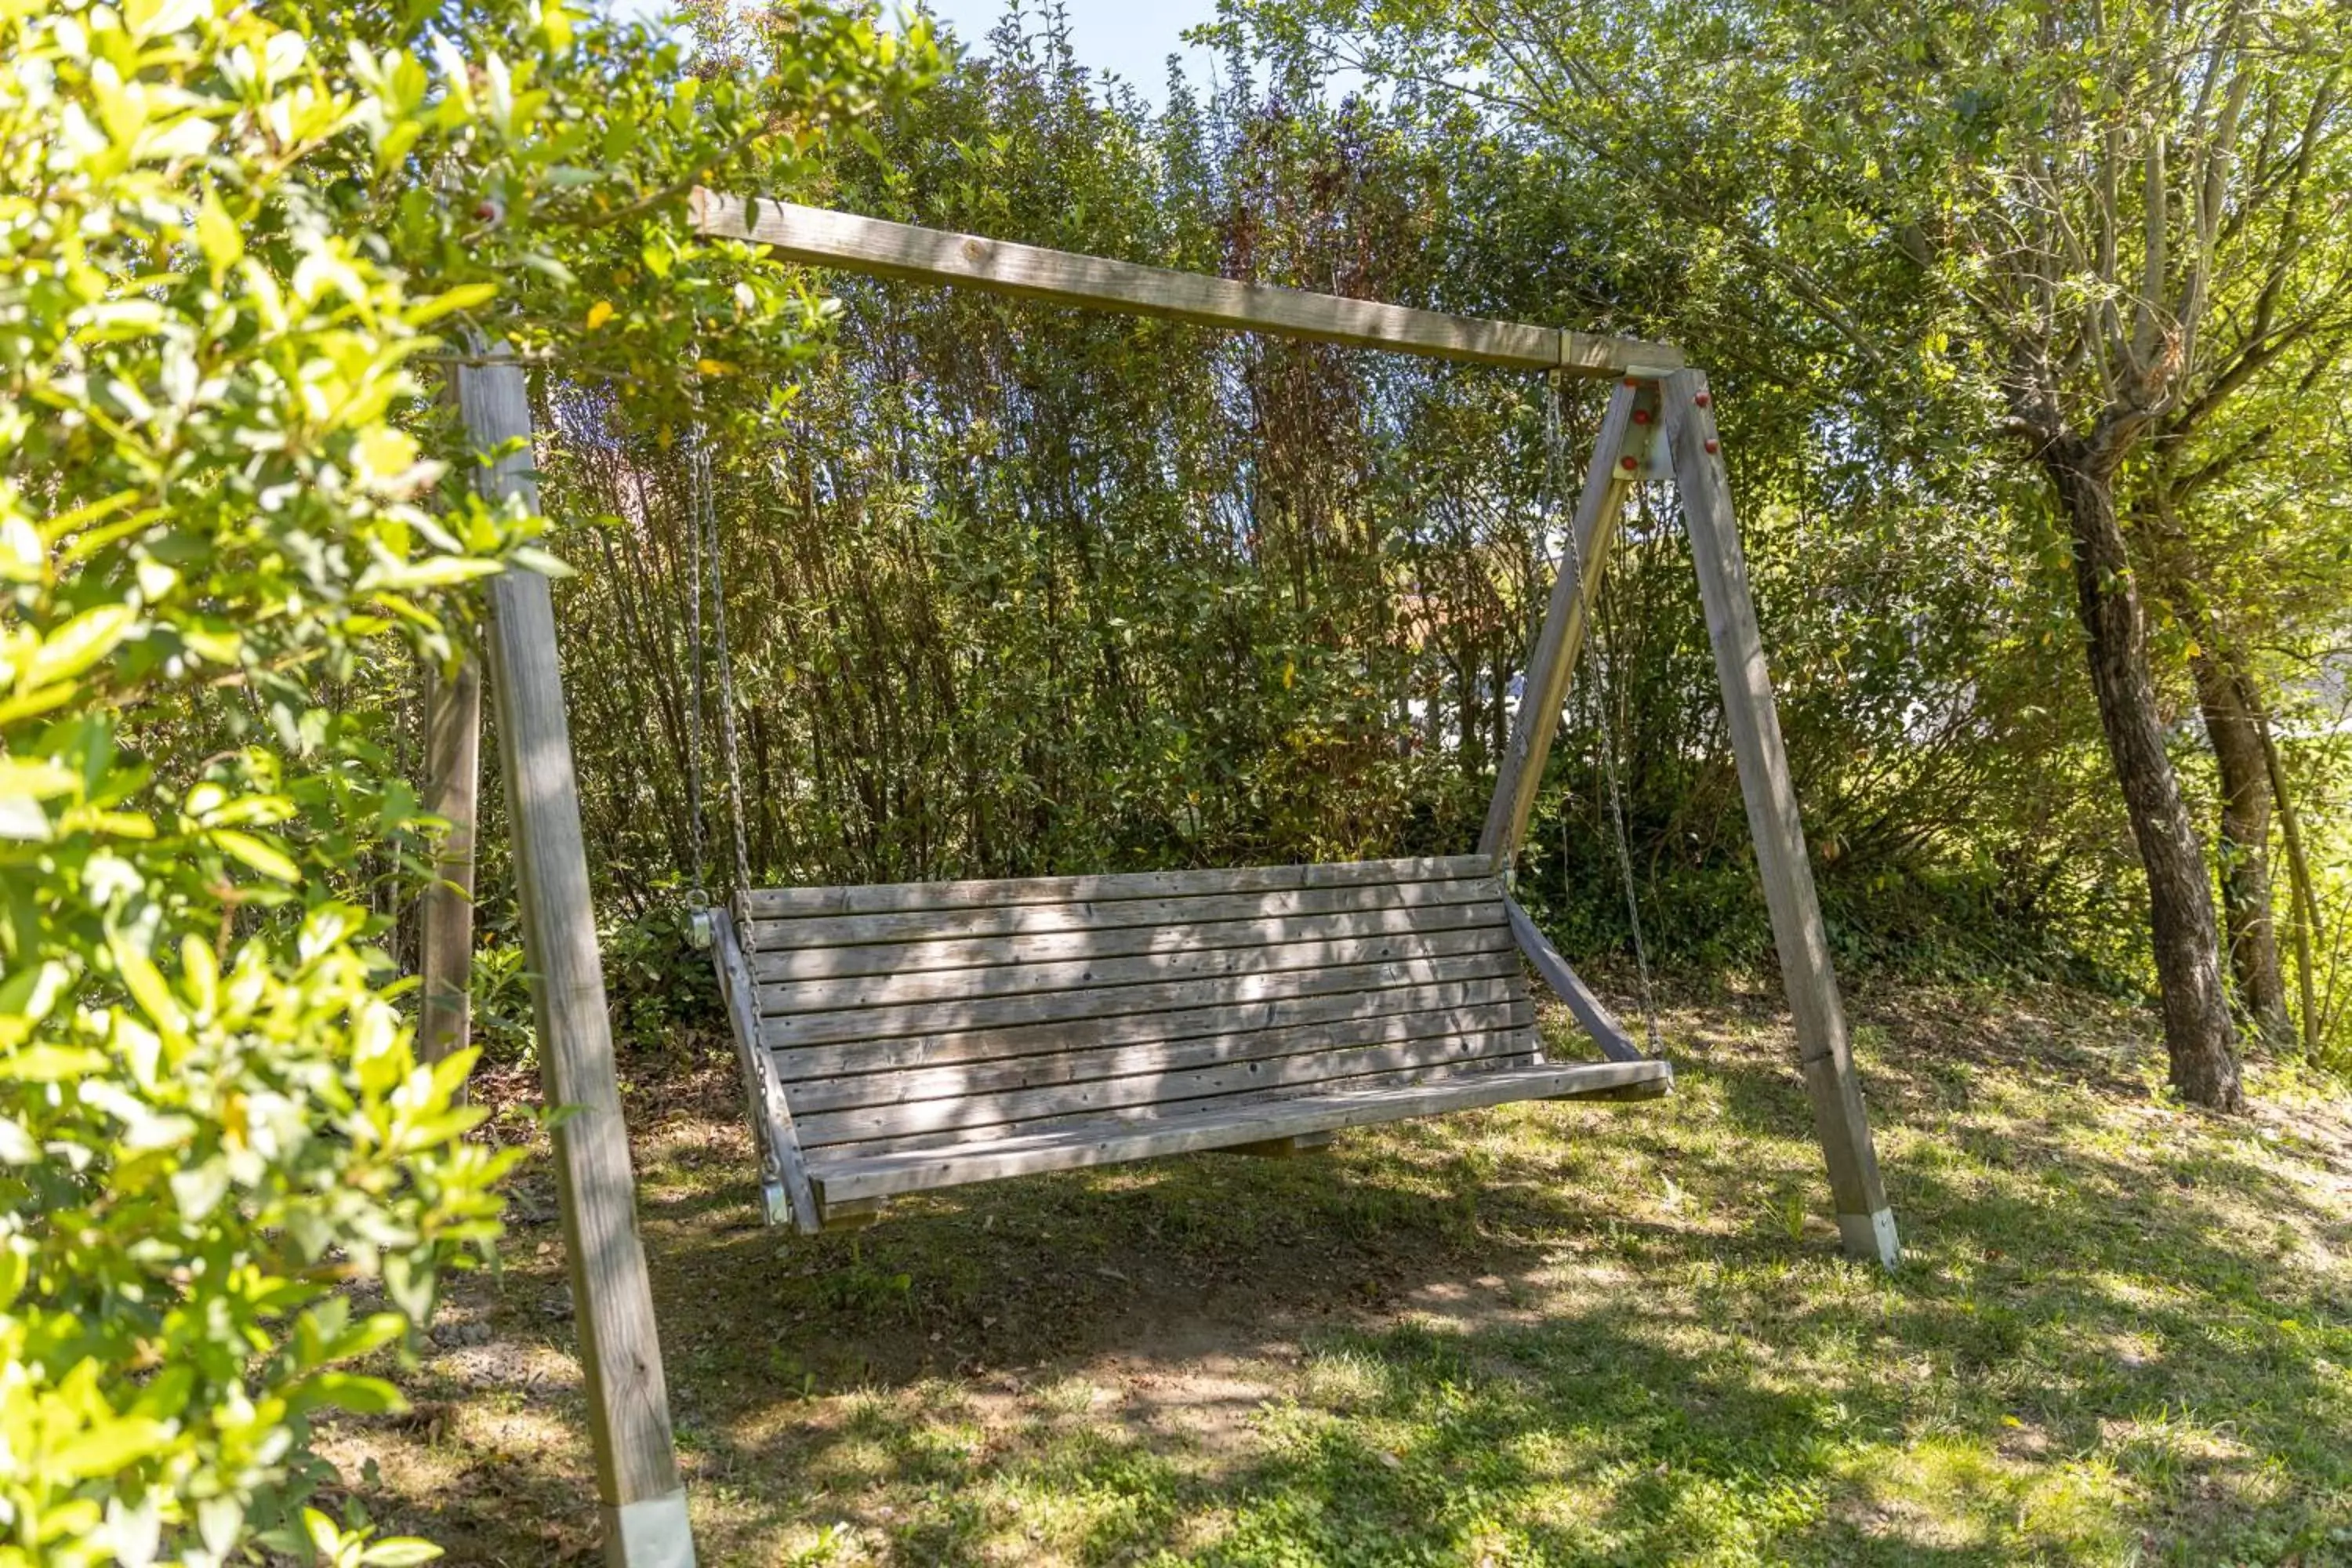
<point>1712,446</point>
<point>1627,463</point>
<point>1641,417</point>
<point>1702,400</point>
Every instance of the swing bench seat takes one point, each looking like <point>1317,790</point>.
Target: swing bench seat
<point>901,1038</point>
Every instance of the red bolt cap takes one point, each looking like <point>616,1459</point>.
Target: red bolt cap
<point>1711,446</point>
<point>1701,400</point>
<point>1627,463</point>
<point>1641,417</point>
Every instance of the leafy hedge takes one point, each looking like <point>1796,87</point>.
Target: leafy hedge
<point>229,235</point>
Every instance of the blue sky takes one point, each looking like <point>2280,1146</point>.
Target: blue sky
<point>1131,38</point>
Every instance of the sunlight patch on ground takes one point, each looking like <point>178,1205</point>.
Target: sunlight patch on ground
<point>1546,1334</point>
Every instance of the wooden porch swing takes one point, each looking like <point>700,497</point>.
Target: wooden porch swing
<point>901,1038</point>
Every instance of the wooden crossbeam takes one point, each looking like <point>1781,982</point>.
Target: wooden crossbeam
<point>821,237</point>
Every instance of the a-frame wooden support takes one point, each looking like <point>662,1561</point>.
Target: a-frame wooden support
<point>643,1501</point>
<point>1866,1224</point>
<point>643,1505</point>
<point>1680,405</point>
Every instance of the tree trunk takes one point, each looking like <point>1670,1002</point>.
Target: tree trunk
<point>2197,1034</point>
<point>2245,847</point>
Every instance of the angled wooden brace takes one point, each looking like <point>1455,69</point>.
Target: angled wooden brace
<point>1864,1222</point>
<point>1617,459</point>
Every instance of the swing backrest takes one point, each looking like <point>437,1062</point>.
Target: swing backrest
<point>924,1015</point>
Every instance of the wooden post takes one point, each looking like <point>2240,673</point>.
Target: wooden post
<point>1553,659</point>
<point>643,1500</point>
<point>453,742</point>
<point>1864,1222</point>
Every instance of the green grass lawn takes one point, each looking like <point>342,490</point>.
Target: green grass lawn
<point>1544,1335</point>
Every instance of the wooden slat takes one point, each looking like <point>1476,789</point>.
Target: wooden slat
<point>972,1113</point>
<point>779,938</point>
<point>856,1090</point>
<point>963,987</point>
<point>776,903</point>
<point>1144,1113</point>
<point>1030,1042</point>
<point>802,964</point>
<point>821,237</point>
<point>765,1100</point>
<point>882,1175</point>
<point>1598,1021</point>
<point>1054,1006</point>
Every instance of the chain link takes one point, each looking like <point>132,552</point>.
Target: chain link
<point>1555,448</point>
<point>729,753</point>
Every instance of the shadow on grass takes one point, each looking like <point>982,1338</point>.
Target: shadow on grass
<point>1552,1334</point>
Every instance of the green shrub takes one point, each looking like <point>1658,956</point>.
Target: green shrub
<point>227,233</point>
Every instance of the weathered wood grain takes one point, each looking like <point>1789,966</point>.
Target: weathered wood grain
<point>1753,720</point>
<point>790,965</point>
<point>644,1503</point>
<point>1465,1000</point>
<point>445,912</point>
<point>915,986</point>
<point>962,1138</point>
<point>763,1092</point>
<point>1164,1089</point>
<point>1590,1013</point>
<point>820,238</point>
<point>1552,662</point>
<point>777,903</point>
<point>852,1090</point>
<point>1069,1148</point>
<point>793,935</point>
<point>1054,1006</point>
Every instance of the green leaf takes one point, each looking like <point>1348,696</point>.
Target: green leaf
<point>108,1446</point>
<point>218,235</point>
<point>79,644</point>
<point>350,1390</point>
<point>257,853</point>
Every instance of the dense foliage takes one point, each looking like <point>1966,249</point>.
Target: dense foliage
<point>230,238</point>
<point>1015,589</point>
<point>1007,589</point>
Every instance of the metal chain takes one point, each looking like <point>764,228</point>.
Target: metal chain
<point>695,896</point>
<point>729,750</point>
<point>1554,454</point>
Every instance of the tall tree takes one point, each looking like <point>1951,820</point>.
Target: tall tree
<point>2111,205</point>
